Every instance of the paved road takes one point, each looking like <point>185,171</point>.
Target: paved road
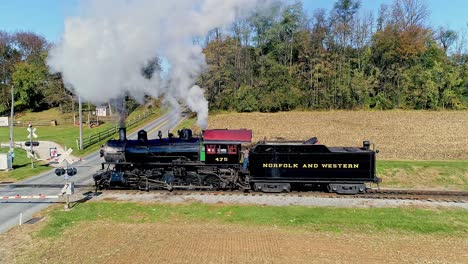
<point>10,210</point>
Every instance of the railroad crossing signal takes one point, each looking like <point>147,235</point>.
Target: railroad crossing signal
<point>32,132</point>
<point>66,156</point>
<point>34,143</point>
<point>60,171</point>
<point>68,189</point>
<point>31,144</point>
<point>31,154</point>
<point>71,171</point>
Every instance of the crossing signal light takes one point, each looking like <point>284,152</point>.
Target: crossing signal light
<point>60,171</point>
<point>34,143</point>
<point>71,171</point>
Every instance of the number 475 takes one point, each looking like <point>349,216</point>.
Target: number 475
<point>221,159</point>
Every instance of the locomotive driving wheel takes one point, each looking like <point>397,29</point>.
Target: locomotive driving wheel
<point>192,179</point>
<point>213,181</point>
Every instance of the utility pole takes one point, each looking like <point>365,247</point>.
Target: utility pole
<point>12,146</point>
<point>81,121</point>
<point>89,113</point>
<point>30,142</point>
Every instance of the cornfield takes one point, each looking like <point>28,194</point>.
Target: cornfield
<point>402,135</point>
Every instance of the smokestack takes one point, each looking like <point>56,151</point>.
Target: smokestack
<point>122,134</point>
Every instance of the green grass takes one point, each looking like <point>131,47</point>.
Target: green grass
<point>47,115</point>
<point>64,135</point>
<point>424,174</point>
<point>406,220</point>
<point>21,167</point>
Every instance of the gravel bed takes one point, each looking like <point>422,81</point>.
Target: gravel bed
<point>274,200</point>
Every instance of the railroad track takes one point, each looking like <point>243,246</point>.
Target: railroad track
<point>372,193</point>
<point>390,194</point>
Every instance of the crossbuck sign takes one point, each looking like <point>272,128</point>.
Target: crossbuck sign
<point>66,156</point>
<point>32,132</point>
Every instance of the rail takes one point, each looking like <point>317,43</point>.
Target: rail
<point>457,197</point>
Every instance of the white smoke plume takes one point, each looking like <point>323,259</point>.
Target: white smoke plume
<point>103,50</point>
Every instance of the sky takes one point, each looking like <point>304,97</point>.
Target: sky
<point>46,17</point>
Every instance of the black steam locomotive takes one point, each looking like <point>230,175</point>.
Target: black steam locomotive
<point>212,162</point>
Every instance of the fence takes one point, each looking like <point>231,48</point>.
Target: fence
<point>35,123</point>
<point>101,135</point>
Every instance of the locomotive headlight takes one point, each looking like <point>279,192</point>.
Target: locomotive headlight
<point>366,145</point>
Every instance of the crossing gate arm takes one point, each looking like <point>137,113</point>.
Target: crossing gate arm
<point>67,189</point>
<point>40,196</point>
<point>39,185</point>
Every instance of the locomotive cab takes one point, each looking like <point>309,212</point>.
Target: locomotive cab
<point>222,146</point>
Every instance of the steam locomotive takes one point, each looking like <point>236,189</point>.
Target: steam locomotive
<point>212,162</point>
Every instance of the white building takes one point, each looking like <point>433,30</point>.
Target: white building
<point>102,110</point>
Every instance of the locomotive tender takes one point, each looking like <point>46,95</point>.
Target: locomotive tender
<point>212,162</point>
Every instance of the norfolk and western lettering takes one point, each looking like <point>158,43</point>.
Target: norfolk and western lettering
<point>312,165</point>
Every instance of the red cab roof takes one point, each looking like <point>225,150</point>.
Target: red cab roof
<point>235,135</point>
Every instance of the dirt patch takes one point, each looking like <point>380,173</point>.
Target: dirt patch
<point>411,135</point>
<point>16,241</point>
<point>182,242</point>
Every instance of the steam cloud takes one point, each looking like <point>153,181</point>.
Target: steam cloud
<point>103,50</point>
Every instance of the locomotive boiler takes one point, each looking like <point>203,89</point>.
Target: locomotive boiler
<point>183,162</point>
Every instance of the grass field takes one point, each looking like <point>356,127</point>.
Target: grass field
<point>450,175</point>
<point>412,220</point>
<point>48,115</point>
<point>21,167</point>
<point>104,232</point>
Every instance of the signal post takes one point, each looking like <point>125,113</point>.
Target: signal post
<point>32,133</point>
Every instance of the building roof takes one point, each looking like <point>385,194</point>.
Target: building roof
<point>231,135</point>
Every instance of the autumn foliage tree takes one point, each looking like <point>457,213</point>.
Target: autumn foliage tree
<point>340,59</point>
<point>284,59</point>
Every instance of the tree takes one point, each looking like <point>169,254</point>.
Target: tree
<point>8,57</point>
<point>342,14</point>
<point>29,80</point>
<point>282,60</point>
<point>446,37</point>
<point>409,13</point>
<point>31,46</point>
